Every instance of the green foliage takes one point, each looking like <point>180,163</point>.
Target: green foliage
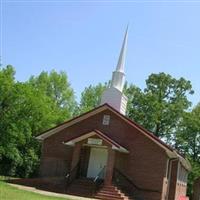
<point>161,105</point>
<point>57,88</point>
<point>188,136</point>
<point>26,109</point>
<point>193,175</point>
<point>91,97</point>
<point>188,141</point>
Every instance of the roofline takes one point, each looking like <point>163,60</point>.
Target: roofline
<point>45,135</point>
<point>174,152</point>
<point>103,137</point>
<point>138,126</point>
<point>98,109</point>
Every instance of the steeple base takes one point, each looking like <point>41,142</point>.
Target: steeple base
<point>115,98</point>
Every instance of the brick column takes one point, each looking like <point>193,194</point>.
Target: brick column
<point>76,155</point>
<point>109,166</point>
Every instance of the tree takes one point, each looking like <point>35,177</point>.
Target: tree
<point>56,86</point>
<point>188,137</point>
<point>26,109</point>
<point>161,105</point>
<point>188,140</point>
<point>91,97</point>
<point>7,147</point>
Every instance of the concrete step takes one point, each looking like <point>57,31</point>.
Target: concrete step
<point>109,189</point>
<point>108,197</point>
<point>85,187</point>
<point>110,193</point>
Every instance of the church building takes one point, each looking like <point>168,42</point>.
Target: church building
<point>103,154</point>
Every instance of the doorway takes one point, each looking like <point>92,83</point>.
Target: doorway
<point>97,161</point>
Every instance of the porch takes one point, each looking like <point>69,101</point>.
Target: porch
<point>93,166</point>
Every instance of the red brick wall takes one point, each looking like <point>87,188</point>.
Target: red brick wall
<point>145,164</point>
<point>55,159</point>
<point>196,190</point>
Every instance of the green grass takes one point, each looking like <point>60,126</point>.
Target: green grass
<point>8,192</point>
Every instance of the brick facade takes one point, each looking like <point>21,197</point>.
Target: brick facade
<point>146,164</point>
<point>196,190</point>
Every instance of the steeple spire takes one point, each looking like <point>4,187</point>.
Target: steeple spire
<point>121,61</point>
<point>113,95</point>
<point>118,77</point>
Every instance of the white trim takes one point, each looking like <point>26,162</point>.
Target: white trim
<point>171,154</point>
<point>70,123</point>
<point>70,143</point>
<point>95,146</point>
<point>104,107</point>
<point>120,149</point>
<point>83,137</point>
<point>170,176</point>
<point>87,135</point>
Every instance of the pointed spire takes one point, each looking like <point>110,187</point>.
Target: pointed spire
<point>121,61</point>
<point>113,95</point>
<point>118,77</point>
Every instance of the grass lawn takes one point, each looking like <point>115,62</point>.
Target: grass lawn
<point>8,192</point>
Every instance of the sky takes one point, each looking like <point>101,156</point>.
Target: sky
<point>83,38</point>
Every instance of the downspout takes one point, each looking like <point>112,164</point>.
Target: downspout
<point>169,180</point>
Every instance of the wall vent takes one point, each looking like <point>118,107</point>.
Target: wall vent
<point>106,120</point>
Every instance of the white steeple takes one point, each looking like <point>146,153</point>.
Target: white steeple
<point>118,77</point>
<point>113,95</point>
<point>121,61</point>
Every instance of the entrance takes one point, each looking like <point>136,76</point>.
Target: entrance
<point>97,161</point>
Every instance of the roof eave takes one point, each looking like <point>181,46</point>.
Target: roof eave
<point>114,144</point>
<point>70,122</point>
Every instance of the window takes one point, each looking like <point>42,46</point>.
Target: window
<point>182,175</point>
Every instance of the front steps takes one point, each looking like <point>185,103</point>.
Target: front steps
<point>86,188</point>
<point>111,193</point>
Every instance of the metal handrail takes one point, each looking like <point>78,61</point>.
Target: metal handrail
<point>118,173</point>
<point>98,181</point>
<point>99,174</point>
<point>73,173</point>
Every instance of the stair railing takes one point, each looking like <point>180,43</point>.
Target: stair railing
<point>73,174</point>
<point>127,185</point>
<point>98,180</point>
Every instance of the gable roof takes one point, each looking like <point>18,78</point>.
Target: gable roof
<point>71,122</point>
<point>115,145</point>
<point>169,150</point>
<point>99,109</point>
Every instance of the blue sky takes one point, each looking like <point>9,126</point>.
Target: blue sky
<point>84,39</point>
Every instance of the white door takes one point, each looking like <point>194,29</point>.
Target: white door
<point>97,161</point>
